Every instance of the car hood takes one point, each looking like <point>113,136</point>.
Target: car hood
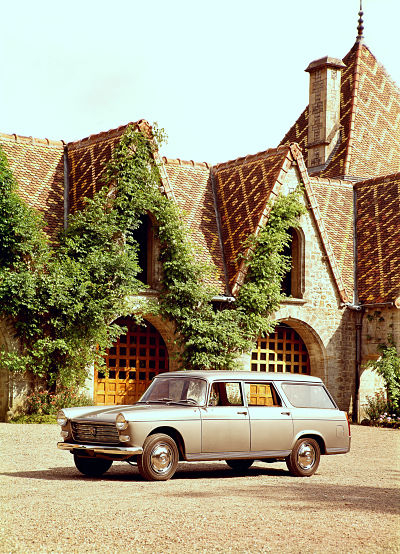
<point>132,412</point>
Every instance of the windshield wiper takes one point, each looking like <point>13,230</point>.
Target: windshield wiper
<point>186,401</point>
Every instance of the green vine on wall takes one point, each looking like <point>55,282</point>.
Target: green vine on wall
<point>388,367</point>
<point>63,300</point>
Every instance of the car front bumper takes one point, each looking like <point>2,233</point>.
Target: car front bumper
<point>125,451</point>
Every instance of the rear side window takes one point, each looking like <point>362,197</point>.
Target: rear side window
<point>261,394</point>
<point>307,396</point>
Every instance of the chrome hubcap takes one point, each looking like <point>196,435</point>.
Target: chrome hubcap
<point>306,456</point>
<point>161,458</point>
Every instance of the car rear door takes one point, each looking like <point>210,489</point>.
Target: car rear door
<point>271,423</point>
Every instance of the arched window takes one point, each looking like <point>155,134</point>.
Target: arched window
<point>293,281</point>
<point>148,252</point>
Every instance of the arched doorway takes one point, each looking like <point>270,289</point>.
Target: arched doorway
<point>132,362</point>
<point>282,351</point>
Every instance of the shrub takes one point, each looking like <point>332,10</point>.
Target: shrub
<point>381,411</point>
<point>44,402</point>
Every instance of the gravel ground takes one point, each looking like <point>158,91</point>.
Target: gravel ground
<point>350,505</point>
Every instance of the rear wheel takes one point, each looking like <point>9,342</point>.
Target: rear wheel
<point>239,465</point>
<point>303,461</point>
<point>93,467</point>
<point>159,459</point>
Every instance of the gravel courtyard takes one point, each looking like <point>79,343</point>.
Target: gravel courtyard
<point>350,505</point>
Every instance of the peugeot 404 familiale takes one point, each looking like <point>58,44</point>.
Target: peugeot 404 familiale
<point>237,416</point>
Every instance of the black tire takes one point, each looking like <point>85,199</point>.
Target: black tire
<point>304,458</point>
<point>239,465</point>
<point>159,459</point>
<point>92,467</point>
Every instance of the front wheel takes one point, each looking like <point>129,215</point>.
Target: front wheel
<point>92,467</point>
<point>303,461</point>
<point>239,465</point>
<point>159,459</point>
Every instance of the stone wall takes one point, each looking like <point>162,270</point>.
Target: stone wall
<point>326,327</point>
<point>13,387</point>
<point>377,325</point>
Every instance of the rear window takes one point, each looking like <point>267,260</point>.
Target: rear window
<point>307,396</point>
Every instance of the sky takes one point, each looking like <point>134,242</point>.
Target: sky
<point>223,78</point>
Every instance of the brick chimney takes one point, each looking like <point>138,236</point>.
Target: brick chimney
<point>324,110</point>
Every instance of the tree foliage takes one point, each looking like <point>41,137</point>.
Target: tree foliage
<point>63,300</point>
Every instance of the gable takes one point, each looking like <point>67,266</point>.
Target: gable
<point>243,189</point>
<point>87,161</point>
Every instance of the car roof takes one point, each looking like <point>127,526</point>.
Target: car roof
<point>217,375</point>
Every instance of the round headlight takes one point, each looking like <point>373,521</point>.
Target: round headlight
<point>121,422</point>
<point>62,418</point>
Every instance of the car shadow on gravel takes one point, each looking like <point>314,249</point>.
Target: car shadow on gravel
<point>294,492</point>
<point>122,472</point>
<point>296,495</point>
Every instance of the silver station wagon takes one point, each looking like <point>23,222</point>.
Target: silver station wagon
<point>238,417</point>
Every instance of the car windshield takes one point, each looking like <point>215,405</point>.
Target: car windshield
<point>176,390</point>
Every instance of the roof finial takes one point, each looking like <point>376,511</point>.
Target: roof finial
<point>360,27</point>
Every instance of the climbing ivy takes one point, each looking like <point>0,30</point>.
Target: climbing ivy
<point>388,367</point>
<point>63,300</point>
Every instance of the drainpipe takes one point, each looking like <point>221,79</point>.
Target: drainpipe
<point>66,187</point>
<point>359,315</point>
<point>356,406</point>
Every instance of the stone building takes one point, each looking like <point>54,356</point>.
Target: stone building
<point>343,292</point>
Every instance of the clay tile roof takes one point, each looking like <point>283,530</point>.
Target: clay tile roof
<point>243,188</point>
<point>378,239</point>
<point>87,159</point>
<point>191,186</point>
<point>38,167</point>
<point>370,120</point>
<point>335,202</point>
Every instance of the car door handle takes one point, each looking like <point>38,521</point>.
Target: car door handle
<point>243,413</point>
<point>285,413</point>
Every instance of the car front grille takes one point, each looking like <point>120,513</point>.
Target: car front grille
<point>94,433</point>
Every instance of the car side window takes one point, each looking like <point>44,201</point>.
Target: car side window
<point>225,394</point>
<point>307,396</point>
<point>261,394</point>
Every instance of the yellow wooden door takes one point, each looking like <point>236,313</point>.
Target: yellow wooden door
<point>282,351</point>
<point>132,362</point>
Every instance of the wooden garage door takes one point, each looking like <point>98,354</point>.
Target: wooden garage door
<point>283,351</point>
<point>132,362</point>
